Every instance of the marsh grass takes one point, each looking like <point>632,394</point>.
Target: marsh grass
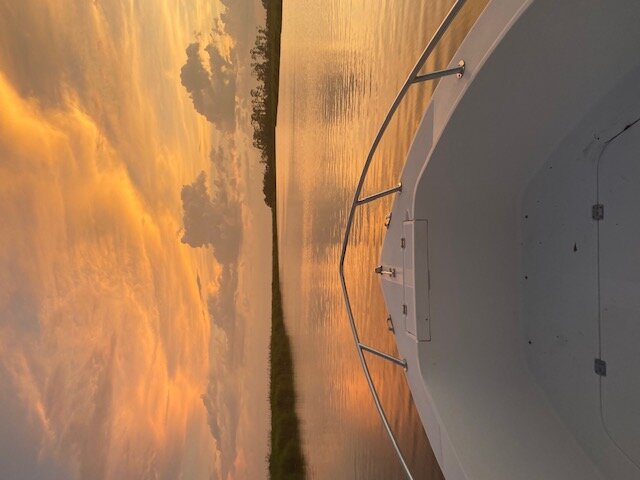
<point>286,461</point>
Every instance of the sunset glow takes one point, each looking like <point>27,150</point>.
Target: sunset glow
<point>106,339</point>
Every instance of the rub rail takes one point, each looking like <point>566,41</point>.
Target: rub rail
<point>413,78</point>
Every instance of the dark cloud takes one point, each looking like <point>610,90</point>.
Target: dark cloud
<point>223,396</point>
<point>222,402</point>
<point>221,306</point>
<point>199,215</point>
<point>212,219</point>
<point>240,22</point>
<point>224,314</point>
<point>196,80</point>
<point>216,219</point>
<point>212,91</point>
<point>199,283</point>
<point>212,418</point>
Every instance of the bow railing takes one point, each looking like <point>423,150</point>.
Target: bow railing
<point>413,78</point>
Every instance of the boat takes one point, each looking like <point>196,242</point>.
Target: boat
<point>510,266</point>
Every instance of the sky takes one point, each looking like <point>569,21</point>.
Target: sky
<point>134,283</point>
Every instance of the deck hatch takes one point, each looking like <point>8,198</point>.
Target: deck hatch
<point>415,280</point>
<point>619,262</point>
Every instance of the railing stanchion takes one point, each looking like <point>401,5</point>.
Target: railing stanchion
<point>386,356</point>
<point>413,77</point>
<point>376,196</point>
<point>457,71</point>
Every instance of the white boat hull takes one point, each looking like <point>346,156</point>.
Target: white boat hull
<point>507,291</point>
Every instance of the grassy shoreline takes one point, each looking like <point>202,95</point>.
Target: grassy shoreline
<point>286,461</point>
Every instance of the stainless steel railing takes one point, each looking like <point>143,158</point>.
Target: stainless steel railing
<point>413,78</point>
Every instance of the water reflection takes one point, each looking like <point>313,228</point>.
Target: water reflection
<point>337,89</point>
<point>342,64</point>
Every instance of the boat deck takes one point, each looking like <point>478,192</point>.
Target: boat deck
<point>511,295</point>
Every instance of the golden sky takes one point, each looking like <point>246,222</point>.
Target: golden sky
<point>106,342</point>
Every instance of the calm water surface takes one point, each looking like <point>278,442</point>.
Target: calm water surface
<point>342,64</point>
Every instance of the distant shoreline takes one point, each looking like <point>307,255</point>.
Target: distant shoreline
<point>286,460</point>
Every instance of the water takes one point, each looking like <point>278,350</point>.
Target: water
<point>342,65</point>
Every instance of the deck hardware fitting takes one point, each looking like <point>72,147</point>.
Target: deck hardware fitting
<point>390,324</point>
<point>597,211</point>
<point>403,243</point>
<point>600,367</point>
<point>457,71</point>
<point>404,308</point>
<point>381,271</point>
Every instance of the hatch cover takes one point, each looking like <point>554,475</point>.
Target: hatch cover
<point>619,252</point>
<point>416,279</point>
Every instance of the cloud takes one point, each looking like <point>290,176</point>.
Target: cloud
<point>238,426</point>
<point>223,396</point>
<point>211,219</point>
<point>214,217</point>
<point>89,431</point>
<point>212,89</point>
<point>212,415</point>
<point>240,22</point>
<point>224,313</point>
<point>102,341</point>
<point>200,226</point>
<point>102,323</point>
<point>222,402</point>
<point>222,305</point>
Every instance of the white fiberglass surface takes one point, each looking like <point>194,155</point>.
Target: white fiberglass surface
<point>415,264</point>
<point>503,171</point>
<point>577,281</point>
<point>619,255</point>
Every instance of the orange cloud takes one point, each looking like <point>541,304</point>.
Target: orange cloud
<point>103,338</point>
